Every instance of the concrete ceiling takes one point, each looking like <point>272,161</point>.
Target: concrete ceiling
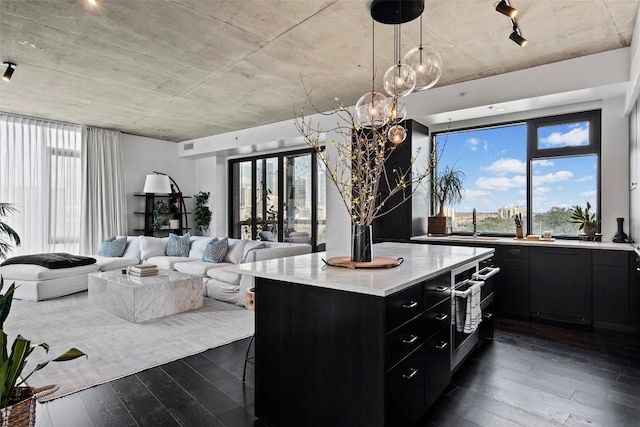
<point>184,69</point>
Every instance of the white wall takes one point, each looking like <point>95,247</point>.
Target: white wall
<point>141,157</point>
<point>599,80</point>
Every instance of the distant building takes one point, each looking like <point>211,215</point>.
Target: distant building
<point>510,212</point>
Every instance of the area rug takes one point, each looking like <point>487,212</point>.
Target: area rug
<point>116,347</point>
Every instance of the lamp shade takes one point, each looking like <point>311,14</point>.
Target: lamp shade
<point>157,184</point>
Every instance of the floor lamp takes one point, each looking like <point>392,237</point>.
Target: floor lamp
<point>161,183</point>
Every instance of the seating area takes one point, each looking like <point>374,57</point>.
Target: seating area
<point>37,283</point>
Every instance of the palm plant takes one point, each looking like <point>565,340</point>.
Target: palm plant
<point>7,234</point>
<point>585,219</point>
<point>447,188</point>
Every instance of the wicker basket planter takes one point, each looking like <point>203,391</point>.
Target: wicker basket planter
<point>23,413</point>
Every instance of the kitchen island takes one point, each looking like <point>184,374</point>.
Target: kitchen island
<point>365,347</point>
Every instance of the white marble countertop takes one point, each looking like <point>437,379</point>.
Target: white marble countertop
<point>421,262</point>
<point>562,243</point>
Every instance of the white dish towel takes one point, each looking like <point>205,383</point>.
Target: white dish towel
<point>474,312</point>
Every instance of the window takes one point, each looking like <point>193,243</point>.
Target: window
<point>40,172</point>
<point>279,193</point>
<point>540,166</point>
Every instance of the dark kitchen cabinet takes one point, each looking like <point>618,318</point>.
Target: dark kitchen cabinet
<point>512,288</point>
<point>614,296</point>
<point>561,288</point>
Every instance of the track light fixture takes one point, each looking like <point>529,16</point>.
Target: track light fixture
<point>505,8</point>
<point>11,67</point>
<point>516,35</point>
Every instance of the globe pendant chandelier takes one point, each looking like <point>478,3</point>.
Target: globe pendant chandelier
<point>418,70</point>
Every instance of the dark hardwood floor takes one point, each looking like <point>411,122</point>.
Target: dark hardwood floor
<point>530,375</point>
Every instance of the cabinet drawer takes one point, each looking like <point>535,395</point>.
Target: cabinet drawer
<point>438,365</point>
<point>403,306</point>
<point>403,340</point>
<point>610,258</point>
<point>404,390</point>
<point>436,290</point>
<point>437,317</point>
<point>518,253</point>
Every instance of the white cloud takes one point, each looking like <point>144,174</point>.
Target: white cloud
<point>501,183</point>
<point>478,197</point>
<point>473,143</point>
<point>587,194</point>
<point>539,191</point>
<point>576,136</point>
<point>543,163</point>
<point>504,166</point>
<point>552,177</point>
<point>585,178</point>
<point>522,193</point>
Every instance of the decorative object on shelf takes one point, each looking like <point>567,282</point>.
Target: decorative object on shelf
<point>160,208</point>
<point>518,220</point>
<point>7,234</point>
<point>17,402</point>
<point>446,188</point>
<point>585,219</point>
<point>202,212</point>
<point>620,236</point>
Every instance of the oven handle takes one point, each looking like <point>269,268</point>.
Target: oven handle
<point>466,293</point>
<point>492,272</point>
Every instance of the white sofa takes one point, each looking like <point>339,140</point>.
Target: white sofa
<point>40,283</point>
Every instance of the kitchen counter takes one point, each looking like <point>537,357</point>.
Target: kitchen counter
<point>421,262</point>
<point>561,243</point>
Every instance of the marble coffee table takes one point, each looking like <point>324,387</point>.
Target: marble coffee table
<point>140,299</point>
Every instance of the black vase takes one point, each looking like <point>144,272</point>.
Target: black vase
<point>620,236</point>
<point>361,243</point>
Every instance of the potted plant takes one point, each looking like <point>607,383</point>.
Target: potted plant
<point>159,209</point>
<point>6,232</point>
<point>585,219</point>
<point>17,402</point>
<point>446,189</point>
<point>202,212</point>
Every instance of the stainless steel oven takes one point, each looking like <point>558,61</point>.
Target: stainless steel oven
<point>462,279</point>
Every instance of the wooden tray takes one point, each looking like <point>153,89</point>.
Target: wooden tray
<point>552,239</point>
<point>377,262</point>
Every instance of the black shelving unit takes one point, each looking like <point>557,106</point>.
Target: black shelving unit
<point>177,210</point>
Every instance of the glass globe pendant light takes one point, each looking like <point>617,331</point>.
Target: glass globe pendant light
<point>370,110</point>
<point>400,79</point>
<point>426,62</point>
<point>397,134</point>
<point>395,111</point>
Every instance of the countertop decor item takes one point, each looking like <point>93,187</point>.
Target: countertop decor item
<point>518,220</point>
<point>585,219</point>
<point>620,236</point>
<point>17,401</point>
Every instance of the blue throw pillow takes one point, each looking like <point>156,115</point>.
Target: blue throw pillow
<point>267,236</point>
<point>178,245</point>
<point>113,247</point>
<point>216,250</point>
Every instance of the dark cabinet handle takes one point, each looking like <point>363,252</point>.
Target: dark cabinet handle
<point>412,373</point>
<point>412,304</point>
<point>440,317</point>
<point>442,288</point>
<point>410,340</point>
<point>487,315</point>
<point>442,345</point>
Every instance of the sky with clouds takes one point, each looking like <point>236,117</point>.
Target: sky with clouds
<point>494,163</point>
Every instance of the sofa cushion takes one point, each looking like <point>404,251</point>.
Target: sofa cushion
<point>224,276</point>
<point>178,245</point>
<point>152,246</point>
<point>113,247</point>
<point>37,272</point>
<point>224,292</point>
<point>267,236</point>
<point>236,251</point>
<point>133,247</point>
<point>198,245</point>
<point>164,262</point>
<point>197,268</point>
<point>111,263</point>
<point>252,245</point>
<point>216,250</point>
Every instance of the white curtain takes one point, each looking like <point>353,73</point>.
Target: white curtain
<point>104,206</point>
<point>40,175</point>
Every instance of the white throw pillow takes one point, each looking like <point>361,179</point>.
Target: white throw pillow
<point>133,248</point>
<point>236,251</point>
<point>152,246</point>
<point>198,245</point>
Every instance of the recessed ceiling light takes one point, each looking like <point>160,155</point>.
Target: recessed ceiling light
<point>500,109</point>
<point>93,2</point>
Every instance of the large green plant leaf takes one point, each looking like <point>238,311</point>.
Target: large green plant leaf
<point>5,301</point>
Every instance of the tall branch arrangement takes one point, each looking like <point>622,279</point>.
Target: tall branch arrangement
<point>359,172</point>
